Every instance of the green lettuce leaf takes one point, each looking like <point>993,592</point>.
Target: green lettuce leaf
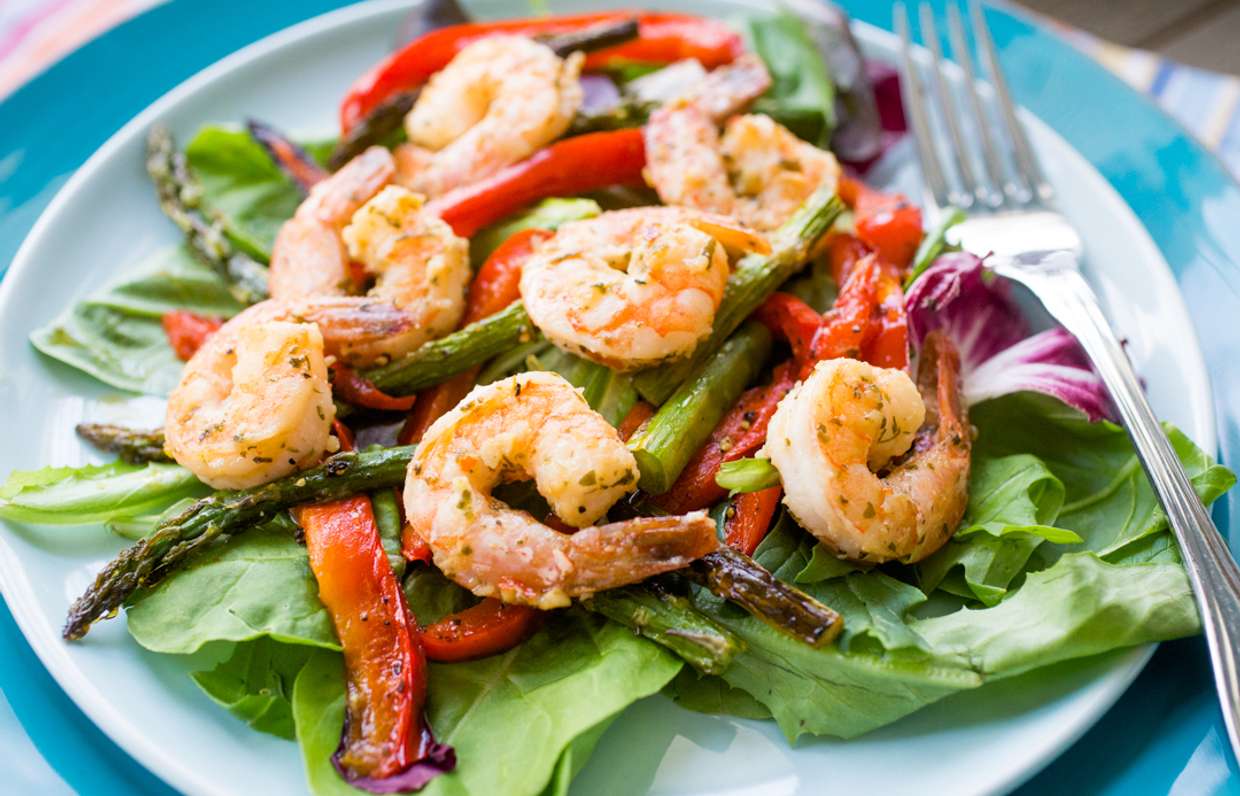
<point>710,694</point>
<point>94,493</point>
<point>802,93</point>
<point>255,683</point>
<point>609,393</point>
<point>258,584</point>
<point>116,336</point>
<point>1012,502</point>
<point>512,718</point>
<point>1080,606</point>
<point>242,187</point>
<point>1107,500</point>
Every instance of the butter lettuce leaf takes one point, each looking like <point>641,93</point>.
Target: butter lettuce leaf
<point>520,722</point>
<point>255,683</point>
<point>115,335</point>
<point>94,493</point>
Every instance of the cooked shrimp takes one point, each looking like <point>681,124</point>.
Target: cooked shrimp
<point>254,402</point>
<point>632,288</point>
<point>536,425</point>
<point>683,163</point>
<point>759,171</point>
<point>419,266</point>
<point>841,442</point>
<point>498,101</point>
<point>309,258</point>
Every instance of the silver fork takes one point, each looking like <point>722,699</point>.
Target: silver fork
<point>1012,214</point>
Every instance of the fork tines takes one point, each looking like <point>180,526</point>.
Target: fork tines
<point>968,161</point>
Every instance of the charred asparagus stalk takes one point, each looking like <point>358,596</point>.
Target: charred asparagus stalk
<point>132,445</point>
<point>736,577</point>
<point>670,620</point>
<point>180,196</point>
<point>376,128</point>
<point>440,360</point>
<point>226,514</point>
<point>386,119</point>
<point>288,156</point>
<point>595,37</point>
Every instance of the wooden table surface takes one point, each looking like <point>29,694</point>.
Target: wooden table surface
<point>1203,33</point>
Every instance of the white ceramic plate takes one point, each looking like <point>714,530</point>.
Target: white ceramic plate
<point>106,217</point>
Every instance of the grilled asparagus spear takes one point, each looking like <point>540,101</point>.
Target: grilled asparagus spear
<point>225,514</point>
<point>180,196</point>
<point>132,445</point>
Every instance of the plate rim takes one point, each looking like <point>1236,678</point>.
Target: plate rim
<point>49,647</point>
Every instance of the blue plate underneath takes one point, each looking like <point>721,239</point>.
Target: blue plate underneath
<point>1165,733</point>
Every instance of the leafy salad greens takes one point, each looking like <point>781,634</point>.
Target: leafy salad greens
<point>1063,551</point>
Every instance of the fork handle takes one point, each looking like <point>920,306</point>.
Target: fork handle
<point>1057,282</point>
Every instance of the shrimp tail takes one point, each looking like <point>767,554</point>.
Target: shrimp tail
<point>350,320</point>
<point>647,546</point>
<point>730,89</point>
<point>938,380</point>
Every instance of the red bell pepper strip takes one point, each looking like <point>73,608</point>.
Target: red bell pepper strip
<point>498,281</point>
<point>661,38</point>
<point>749,518</point>
<point>889,223</point>
<point>488,628</point>
<point>635,419</point>
<point>846,326</point>
<point>887,345</point>
<point>792,319</point>
<point>566,168</point>
<point>844,251</point>
<point>741,432</point>
<point>187,331</point>
<point>386,740</point>
<point>351,387</point>
<point>343,434</point>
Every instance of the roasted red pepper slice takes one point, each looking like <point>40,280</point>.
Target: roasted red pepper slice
<point>635,419</point>
<point>343,434</point>
<point>386,742</point>
<point>792,319</point>
<point>846,325</point>
<point>351,387</point>
<point>488,628</point>
<point>844,251</point>
<point>749,518</point>
<point>661,38</point>
<point>187,331</point>
<point>498,281</point>
<point>888,222</point>
<point>572,166</point>
<point>741,432</point>
<point>887,344</point>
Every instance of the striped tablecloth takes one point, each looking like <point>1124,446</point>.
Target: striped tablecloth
<point>33,33</point>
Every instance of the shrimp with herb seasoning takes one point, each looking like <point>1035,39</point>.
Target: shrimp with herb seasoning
<point>871,468</point>
<point>536,425</point>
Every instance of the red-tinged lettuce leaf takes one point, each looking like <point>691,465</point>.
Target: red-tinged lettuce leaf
<point>958,295</point>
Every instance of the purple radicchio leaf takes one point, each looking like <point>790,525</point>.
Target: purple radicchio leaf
<point>599,94</point>
<point>997,355</point>
<point>439,759</point>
